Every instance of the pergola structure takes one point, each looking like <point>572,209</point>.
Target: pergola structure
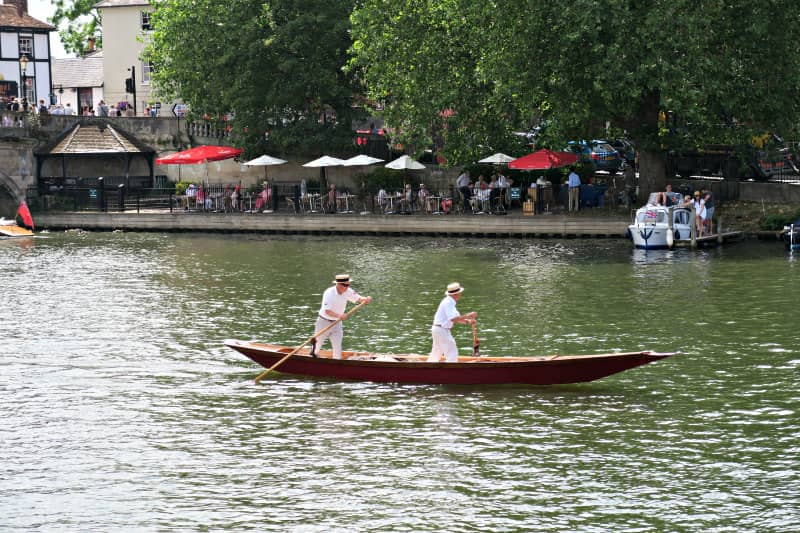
<point>94,149</point>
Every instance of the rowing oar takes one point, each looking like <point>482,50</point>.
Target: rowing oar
<point>476,343</point>
<point>314,336</point>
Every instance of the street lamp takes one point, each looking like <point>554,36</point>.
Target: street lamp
<point>23,65</point>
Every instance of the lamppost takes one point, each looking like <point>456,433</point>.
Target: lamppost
<point>23,65</point>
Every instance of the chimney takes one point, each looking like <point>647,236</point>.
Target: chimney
<point>22,5</point>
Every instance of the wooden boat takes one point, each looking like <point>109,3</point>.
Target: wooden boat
<point>10,229</point>
<point>412,368</point>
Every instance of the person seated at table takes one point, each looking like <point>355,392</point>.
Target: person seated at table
<point>235,198</point>
<point>383,199</point>
<point>482,196</point>
<point>201,197</point>
<point>227,203</point>
<point>190,198</point>
<point>423,195</point>
<point>264,197</point>
<point>331,199</point>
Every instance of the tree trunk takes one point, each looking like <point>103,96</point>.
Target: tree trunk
<point>652,172</point>
<point>652,160</point>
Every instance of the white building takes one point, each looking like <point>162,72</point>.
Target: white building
<point>78,81</point>
<point>22,36</point>
<point>126,29</point>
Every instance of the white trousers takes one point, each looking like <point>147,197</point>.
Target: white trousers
<point>443,345</point>
<point>335,334</point>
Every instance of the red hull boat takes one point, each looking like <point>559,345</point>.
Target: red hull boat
<point>411,368</point>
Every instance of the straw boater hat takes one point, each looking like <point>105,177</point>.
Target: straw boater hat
<point>342,278</point>
<point>454,288</point>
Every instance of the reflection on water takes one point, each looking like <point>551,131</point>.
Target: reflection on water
<point>123,411</point>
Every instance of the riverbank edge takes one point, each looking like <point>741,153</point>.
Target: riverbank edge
<point>538,226</point>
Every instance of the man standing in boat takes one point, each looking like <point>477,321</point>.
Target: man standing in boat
<point>334,302</point>
<point>446,315</point>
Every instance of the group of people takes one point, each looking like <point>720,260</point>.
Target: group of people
<point>102,109</point>
<point>702,200</point>
<point>406,201</point>
<point>231,198</point>
<point>480,196</point>
<point>332,313</point>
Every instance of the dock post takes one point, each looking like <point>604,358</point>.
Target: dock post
<point>720,238</point>
<point>693,225</point>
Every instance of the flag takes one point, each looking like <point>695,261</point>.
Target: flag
<point>25,214</point>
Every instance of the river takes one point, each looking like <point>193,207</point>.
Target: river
<point>123,411</point>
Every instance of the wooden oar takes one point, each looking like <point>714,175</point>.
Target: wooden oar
<point>476,343</point>
<point>314,336</point>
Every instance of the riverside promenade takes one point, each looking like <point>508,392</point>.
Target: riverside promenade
<point>511,225</point>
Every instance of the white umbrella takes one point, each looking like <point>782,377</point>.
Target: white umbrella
<point>497,159</point>
<point>361,160</point>
<point>321,163</point>
<point>324,161</point>
<point>264,161</point>
<point>405,163</point>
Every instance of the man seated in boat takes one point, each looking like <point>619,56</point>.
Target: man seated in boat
<point>668,197</point>
<point>334,302</point>
<point>446,315</point>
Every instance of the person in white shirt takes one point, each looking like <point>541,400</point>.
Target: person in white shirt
<point>462,184</point>
<point>334,302</point>
<point>68,110</point>
<point>446,315</point>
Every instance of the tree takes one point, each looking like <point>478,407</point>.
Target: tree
<point>276,67</point>
<point>725,69</point>
<point>83,22</point>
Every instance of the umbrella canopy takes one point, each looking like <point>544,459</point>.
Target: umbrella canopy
<point>324,161</point>
<point>264,161</point>
<point>199,154</point>
<point>405,163</point>
<point>361,160</point>
<point>497,159</point>
<point>544,159</point>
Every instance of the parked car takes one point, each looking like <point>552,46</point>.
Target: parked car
<point>597,152</point>
<point>626,149</point>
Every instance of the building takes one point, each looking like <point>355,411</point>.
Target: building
<point>78,81</point>
<point>24,53</point>
<point>126,29</point>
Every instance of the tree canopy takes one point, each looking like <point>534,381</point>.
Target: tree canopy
<point>83,22</point>
<point>474,72</point>
<point>276,66</point>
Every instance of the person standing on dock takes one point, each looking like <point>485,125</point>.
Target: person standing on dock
<point>334,302</point>
<point>446,315</point>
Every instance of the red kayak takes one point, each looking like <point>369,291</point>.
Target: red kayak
<point>412,368</point>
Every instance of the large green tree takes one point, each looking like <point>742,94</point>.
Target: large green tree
<point>82,22</point>
<point>725,69</point>
<point>275,66</point>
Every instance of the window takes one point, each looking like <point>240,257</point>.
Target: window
<point>144,17</point>
<point>26,46</point>
<point>147,71</point>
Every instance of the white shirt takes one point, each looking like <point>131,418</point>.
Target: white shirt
<point>332,300</point>
<point>446,313</point>
<point>463,180</point>
<point>502,182</point>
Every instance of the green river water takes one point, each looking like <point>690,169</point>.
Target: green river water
<point>123,411</point>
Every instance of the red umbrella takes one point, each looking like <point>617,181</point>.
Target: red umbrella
<point>544,159</point>
<point>199,154</point>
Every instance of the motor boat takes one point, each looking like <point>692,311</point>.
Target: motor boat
<point>657,226</point>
